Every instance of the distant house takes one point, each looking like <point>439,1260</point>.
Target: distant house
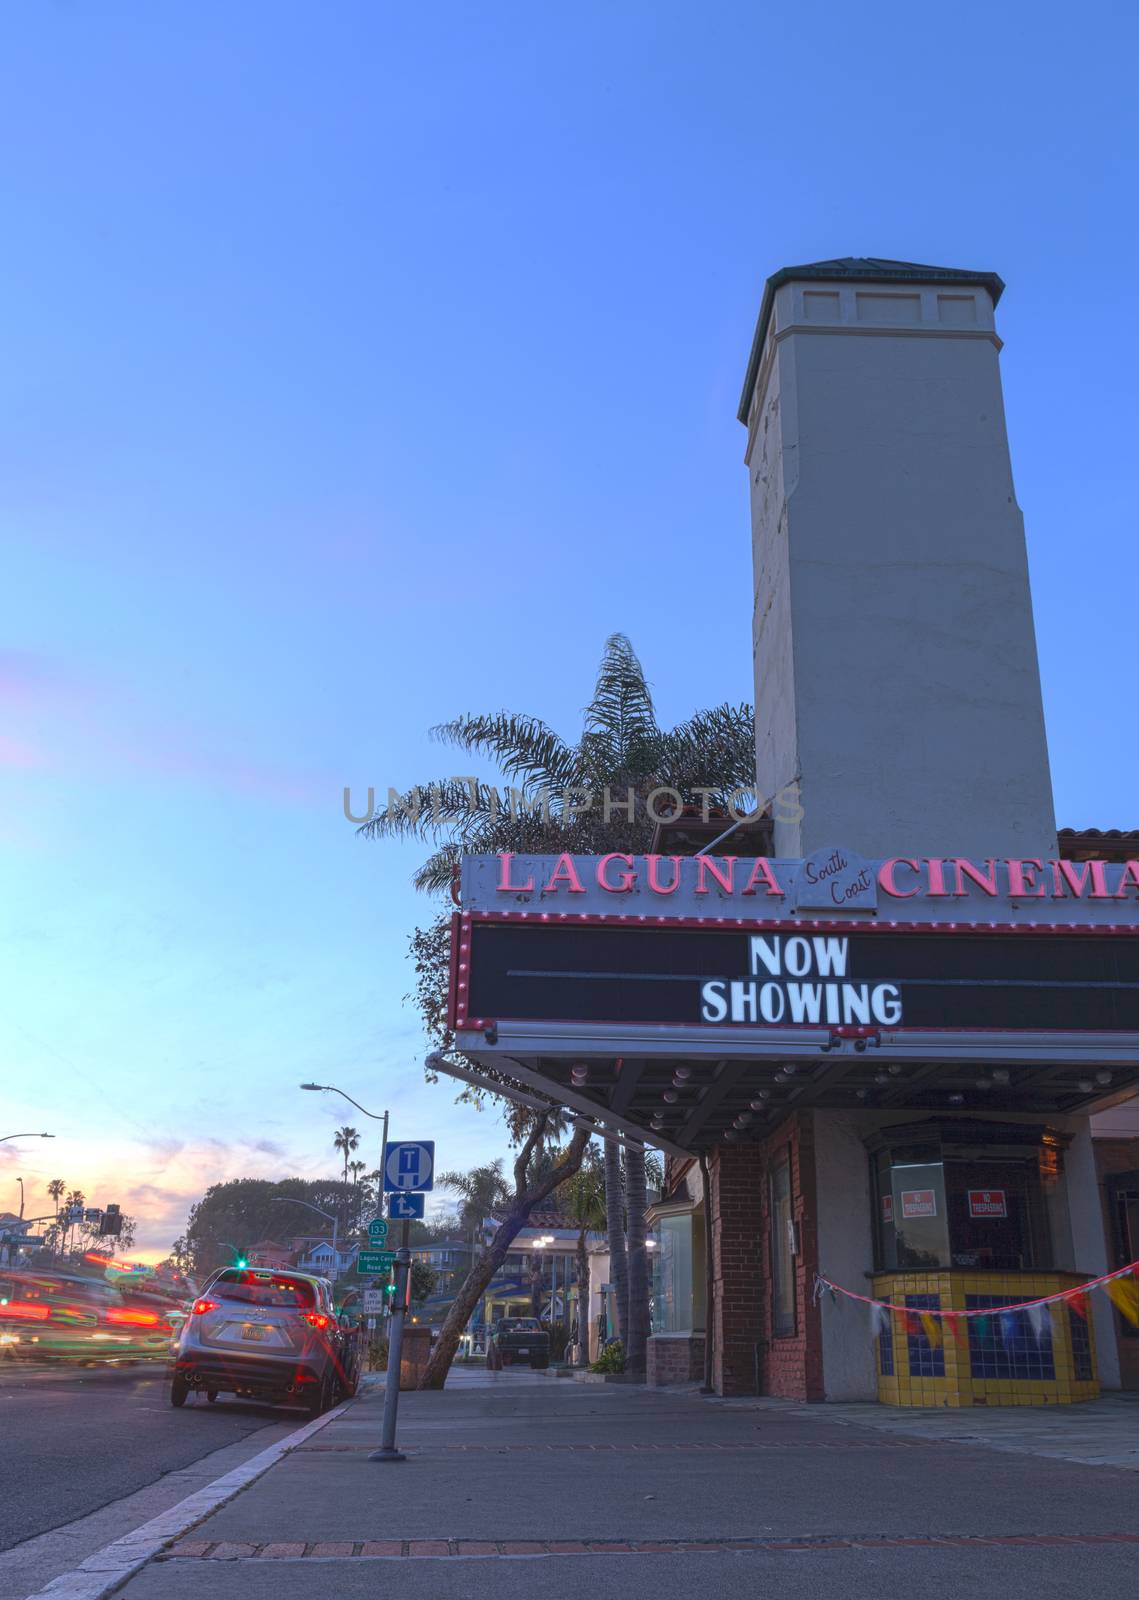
<point>269,1253</point>
<point>315,1253</point>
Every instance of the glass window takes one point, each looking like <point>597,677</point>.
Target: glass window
<point>952,1203</point>
<point>262,1290</point>
<point>782,1252</point>
<point>921,1226</point>
<point>673,1275</point>
<point>996,1213</point>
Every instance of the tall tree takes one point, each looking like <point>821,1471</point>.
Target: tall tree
<point>622,749</point>
<point>636,1203</point>
<point>482,1191</point>
<point>526,1194</point>
<point>582,1199</point>
<point>346,1140</point>
<point>56,1189</point>
<point>76,1198</point>
<point>615,1234</point>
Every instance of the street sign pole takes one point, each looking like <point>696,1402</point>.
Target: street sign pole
<point>387,1450</point>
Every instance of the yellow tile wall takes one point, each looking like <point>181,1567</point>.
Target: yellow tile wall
<point>959,1387</point>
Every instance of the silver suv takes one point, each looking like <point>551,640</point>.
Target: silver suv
<point>266,1335</point>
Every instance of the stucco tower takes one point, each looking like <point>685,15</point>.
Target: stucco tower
<point>895,656</point>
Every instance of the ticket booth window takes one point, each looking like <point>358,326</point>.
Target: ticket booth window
<point>962,1197</point>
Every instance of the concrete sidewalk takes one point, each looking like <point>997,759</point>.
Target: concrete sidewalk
<point>515,1481</point>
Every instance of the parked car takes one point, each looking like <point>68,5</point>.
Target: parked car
<point>266,1335</point>
<point>516,1341</point>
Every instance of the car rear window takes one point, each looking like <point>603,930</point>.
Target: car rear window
<point>265,1289</point>
<point>520,1325</point>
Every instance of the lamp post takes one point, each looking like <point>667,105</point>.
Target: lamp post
<point>402,1298</point>
<point>7,1136</point>
<point>376,1116</point>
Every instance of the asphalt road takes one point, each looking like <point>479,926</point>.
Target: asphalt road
<point>73,1440</point>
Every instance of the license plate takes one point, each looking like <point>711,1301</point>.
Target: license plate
<point>522,1351</point>
<point>252,1331</point>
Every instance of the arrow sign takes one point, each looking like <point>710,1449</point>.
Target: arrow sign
<point>403,1206</point>
<point>410,1165</point>
<point>378,1230</point>
<point>371,1262</point>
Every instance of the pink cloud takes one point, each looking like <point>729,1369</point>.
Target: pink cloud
<point>20,755</point>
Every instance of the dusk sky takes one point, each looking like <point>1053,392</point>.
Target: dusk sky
<point>365,365</point>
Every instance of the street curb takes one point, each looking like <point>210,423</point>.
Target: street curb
<point>106,1570</point>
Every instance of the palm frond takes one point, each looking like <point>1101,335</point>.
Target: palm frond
<point>714,749</point>
<point>433,808</point>
<point>525,747</point>
<point>621,732</point>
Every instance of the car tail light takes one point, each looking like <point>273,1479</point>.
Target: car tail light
<point>27,1310</point>
<point>317,1319</point>
<point>135,1319</point>
<point>202,1306</point>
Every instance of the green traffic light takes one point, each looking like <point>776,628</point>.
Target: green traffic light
<point>241,1261</point>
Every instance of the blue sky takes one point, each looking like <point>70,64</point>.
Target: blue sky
<point>364,365</point>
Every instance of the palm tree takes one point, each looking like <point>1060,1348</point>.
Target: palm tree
<point>529,1191</point>
<point>622,753</point>
<point>615,1234</point>
<point>636,1202</point>
<point>356,1168</point>
<point>75,1198</point>
<point>582,1200</point>
<point>622,747</point>
<point>482,1192</point>
<point>346,1140</point>
<point>56,1188</point>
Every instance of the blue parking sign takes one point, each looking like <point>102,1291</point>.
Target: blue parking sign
<point>410,1165</point>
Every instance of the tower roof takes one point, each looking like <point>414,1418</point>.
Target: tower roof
<point>863,269</point>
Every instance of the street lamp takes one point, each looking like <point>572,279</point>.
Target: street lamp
<point>544,1242</point>
<point>8,1136</point>
<point>330,1088</point>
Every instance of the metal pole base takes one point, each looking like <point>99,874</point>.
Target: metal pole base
<point>387,1455</point>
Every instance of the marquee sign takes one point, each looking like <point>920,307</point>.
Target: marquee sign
<point>598,972</point>
<point>832,879</point>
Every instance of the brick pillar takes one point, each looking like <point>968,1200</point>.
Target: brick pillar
<point>736,1182</point>
<point>792,1364</point>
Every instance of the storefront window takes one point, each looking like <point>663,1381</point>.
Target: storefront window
<point>782,1252</point>
<point>678,1273</point>
<point>965,1198</point>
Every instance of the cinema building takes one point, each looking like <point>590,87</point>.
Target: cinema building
<point>870,1030</point>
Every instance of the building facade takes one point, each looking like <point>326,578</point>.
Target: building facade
<point>871,1055</point>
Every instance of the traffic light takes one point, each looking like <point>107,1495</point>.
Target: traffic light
<point>242,1261</point>
<point>111,1221</point>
